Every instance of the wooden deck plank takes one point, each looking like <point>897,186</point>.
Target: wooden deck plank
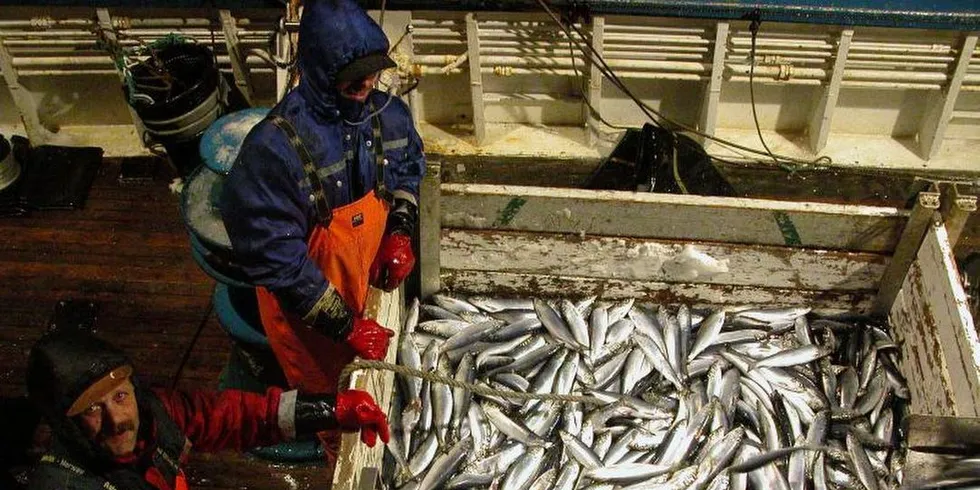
<point>127,250</point>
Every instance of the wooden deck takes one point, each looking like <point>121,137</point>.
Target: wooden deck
<point>128,251</point>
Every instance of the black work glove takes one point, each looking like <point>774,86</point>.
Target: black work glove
<point>403,218</point>
<point>331,316</point>
<point>350,410</point>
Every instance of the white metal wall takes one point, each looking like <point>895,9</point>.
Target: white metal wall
<point>817,88</point>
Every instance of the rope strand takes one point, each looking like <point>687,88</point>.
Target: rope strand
<point>446,380</point>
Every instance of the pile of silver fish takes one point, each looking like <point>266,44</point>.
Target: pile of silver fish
<point>676,398</point>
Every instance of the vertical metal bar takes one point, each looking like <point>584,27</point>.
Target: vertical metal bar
<point>430,224</point>
<point>934,124</point>
<point>595,82</point>
<point>23,98</point>
<point>409,49</point>
<point>238,66</point>
<point>285,48</point>
<point>923,214</point>
<point>476,78</point>
<point>823,114</point>
<point>956,208</point>
<point>105,22</point>
<point>708,120</point>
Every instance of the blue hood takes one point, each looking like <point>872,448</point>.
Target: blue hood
<point>332,33</point>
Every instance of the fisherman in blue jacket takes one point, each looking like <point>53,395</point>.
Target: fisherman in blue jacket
<point>323,200</point>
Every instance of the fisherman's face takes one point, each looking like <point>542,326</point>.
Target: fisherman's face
<point>358,90</point>
<point>112,422</point>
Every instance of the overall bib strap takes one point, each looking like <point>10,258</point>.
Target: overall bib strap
<point>379,160</point>
<point>323,211</point>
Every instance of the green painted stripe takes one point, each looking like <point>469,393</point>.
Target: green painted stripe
<point>506,215</point>
<point>787,228</point>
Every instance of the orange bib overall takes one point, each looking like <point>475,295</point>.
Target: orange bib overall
<point>343,245</point>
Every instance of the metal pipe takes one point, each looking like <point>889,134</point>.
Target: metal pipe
<point>823,55</point>
<point>795,72</point>
<point>898,57</point>
<point>561,53</point>
<point>189,32</point>
<point>542,62</point>
<point>153,22</point>
<point>849,84</point>
<point>104,60</point>
<point>423,44</point>
<point>107,72</point>
<point>896,64</point>
<point>939,50</point>
<point>44,23</point>
<point>612,28</point>
<point>506,71</point>
<point>760,42</point>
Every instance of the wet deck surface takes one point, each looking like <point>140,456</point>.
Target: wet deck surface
<point>127,250</point>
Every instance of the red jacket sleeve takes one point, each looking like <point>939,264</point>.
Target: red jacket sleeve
<point>230,419</point>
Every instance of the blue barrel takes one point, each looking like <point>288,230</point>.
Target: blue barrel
<point>210,245</point>
<point>201,196</point>
<point>253,366</point>
<point>222,140</point>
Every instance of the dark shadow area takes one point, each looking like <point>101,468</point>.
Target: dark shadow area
<point>654,160</point>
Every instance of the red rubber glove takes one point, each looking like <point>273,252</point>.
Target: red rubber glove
<point>394,262</point>
<point>368,339</point>
<point>356,410</point>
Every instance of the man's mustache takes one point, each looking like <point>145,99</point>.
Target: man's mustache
<point>123,427</point>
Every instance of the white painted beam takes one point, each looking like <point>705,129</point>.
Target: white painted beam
<point>430,229</point>
<point>923,216</point>
<point>672,217</point>
<point>940,111</point>
<point>23,98</point>
<point>956,208</point>
<point>238,67</point>
<point>935,331</point>
<point>476,77</point>
<point>642,259</point>
<point>105,22</point>
<point>823,113</point>
<point>708,120</point>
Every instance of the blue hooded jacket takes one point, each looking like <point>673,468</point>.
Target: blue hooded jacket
<point>266,204</point>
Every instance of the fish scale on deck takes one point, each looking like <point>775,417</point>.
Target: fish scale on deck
<point>743,398</point>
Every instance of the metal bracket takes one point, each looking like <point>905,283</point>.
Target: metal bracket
<point>956,209</point>
<point>922,215</point>
<point>430,236</point>
<point>238,65</point>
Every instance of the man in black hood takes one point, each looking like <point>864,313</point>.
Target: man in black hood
<point>109,432</point>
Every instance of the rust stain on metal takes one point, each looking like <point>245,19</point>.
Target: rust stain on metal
<point>926,330</point>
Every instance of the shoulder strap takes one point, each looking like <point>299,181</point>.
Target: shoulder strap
<point>67,475</point>
<point>319,196</point>
<point>379,159</point>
